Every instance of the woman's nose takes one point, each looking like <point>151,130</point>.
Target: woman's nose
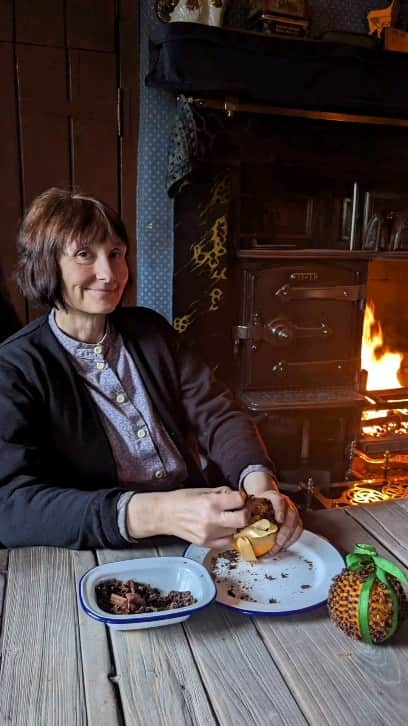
<point>103,268</point>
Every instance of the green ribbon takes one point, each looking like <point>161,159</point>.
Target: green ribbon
<point>362,556</point>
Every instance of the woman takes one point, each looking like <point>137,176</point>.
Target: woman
<point>99,405</point>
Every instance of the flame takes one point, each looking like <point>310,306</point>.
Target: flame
<point>382,365</point>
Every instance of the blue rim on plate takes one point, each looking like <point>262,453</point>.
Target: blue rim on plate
<point>291,582</point>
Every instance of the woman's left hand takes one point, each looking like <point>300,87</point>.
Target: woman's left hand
<point>260,484</point>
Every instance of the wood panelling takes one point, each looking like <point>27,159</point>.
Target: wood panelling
<point>94,118</point>
<point>44,110</point>
<point>91,24</point>
<point>10,197</point>
<point>6,20</point>
<point>129,82</point>
<point>40,22</point>
<point>60,85</point>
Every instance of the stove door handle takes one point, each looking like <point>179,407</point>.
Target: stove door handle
<point>284,331</point>
<point>279,331</point>
<point>351,293</point>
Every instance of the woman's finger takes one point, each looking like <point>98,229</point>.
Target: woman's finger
<point>235,519</point>
<point>295,536</point>
<point>291,522</point>
<point>230,500</point>
<point>279,504</point>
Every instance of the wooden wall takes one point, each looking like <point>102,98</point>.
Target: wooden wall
<point>69,100</point>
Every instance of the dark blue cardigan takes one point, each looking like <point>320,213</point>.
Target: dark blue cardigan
<point>58,480</point>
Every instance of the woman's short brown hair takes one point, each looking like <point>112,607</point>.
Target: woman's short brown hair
<point>55,219</point>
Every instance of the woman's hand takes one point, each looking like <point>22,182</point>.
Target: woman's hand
<point>286,512</point>
<point>207,516</point>
<point>210,516</point>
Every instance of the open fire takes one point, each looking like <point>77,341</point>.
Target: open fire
<point>379,459</point>
<point>383,368</point>
<point>381,365</point>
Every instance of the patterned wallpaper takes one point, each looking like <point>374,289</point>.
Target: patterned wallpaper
<point>154,215</point>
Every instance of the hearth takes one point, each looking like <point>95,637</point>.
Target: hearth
<point>378,460</point>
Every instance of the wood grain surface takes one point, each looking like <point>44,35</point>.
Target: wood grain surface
<point>59,667</point>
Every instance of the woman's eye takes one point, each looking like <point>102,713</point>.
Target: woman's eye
<point>83,254</point>
<point>116,253</point>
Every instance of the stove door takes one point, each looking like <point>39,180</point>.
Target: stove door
<point>301,324</point>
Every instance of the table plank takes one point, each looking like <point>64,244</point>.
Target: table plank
<point>238,672</point>
<point>334,679</point>
<point>219,642</point>
<point>3,559</point>
<point>389,523</point>
<point>155,671</point>
<point>101,700</point>
<point>236,668</point>
<point>3,585</point>
<point>41,672</point>
<point>3,571</point>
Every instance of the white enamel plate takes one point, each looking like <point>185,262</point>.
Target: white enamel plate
<point>292,581</point>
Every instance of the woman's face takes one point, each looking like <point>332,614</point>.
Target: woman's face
<point>94,276</point>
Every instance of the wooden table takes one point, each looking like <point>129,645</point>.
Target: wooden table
<point>60,667</point>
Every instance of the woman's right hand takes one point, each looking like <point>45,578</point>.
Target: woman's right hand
<point>206,516</point>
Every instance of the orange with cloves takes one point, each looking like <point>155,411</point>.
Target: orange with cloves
<point>259,536</point>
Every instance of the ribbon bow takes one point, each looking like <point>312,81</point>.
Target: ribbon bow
<point>362,556</point>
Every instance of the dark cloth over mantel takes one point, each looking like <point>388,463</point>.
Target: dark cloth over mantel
<point>196,59</point>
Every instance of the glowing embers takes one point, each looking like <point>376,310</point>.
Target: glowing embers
<point>384,423</point>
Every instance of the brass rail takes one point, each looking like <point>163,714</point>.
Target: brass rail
<point>231,106</point>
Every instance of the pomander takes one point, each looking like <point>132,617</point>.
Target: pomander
<point>366,599</point>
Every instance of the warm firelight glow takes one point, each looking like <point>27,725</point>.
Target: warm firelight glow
<point>381,365</point>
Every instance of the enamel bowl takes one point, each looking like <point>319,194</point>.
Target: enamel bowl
<point>165,573</point>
